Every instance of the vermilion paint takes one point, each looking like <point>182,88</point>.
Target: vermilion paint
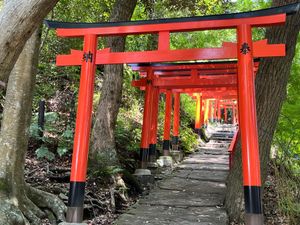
<point>247,110</point>
<point>198,112</point>
<point>84,111</point>
<point>176,116</point>
<point>168,114</point>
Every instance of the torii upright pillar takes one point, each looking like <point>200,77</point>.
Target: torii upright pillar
<point>176,121</point>
<point>82,131</point>
<point>206,112</point>
<point>209,110</point>
<point>219,110</point>
<point>215,110</point>
<point>233,114</point>
<point>154,122</point>
<point>198,113</point>
<point>144,148</point>
<point>248,127</point>
<point>225,114</point>
<point>202,110</point>
<point>167,125</point>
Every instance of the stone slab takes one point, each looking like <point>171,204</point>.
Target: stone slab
<point>192,185</point>
<point>198,155</point>
<point>182,198</point>
<point>204,166</point>
<point>165,215</point>
<point>213,148</point>
<point>213,176</point>
<point>212,152</point>
<point>65,223</point>
<point>207,159</point>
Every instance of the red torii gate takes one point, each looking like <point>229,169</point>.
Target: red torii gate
<point>225,104</point>
<point>200,109</point>
<point>148,140</point>
<point>188,75</point>
<point>191,78</point>
<point>244,51</point>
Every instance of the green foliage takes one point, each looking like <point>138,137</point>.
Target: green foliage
<point>54,135</point>
<point>188,107</point>
<point>128,127</point>
<point>105,172</point>
<point>52,79</point>
<point>50,120</point>
<point>287,135</point>
<point>43,152</point>
<point>189,139</point>
<point>128,131</point>
<point>287,185</point>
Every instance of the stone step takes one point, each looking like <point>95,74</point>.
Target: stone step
<point>204,166</point>
<point>213,148</point>
<point>193,186</point>
<point>186,198</point>
<point>212,152</point>
<point>168,215</point>
<point>211,175</point>
<point>214,159</point>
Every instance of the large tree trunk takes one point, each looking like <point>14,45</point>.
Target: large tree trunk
<point>271,84</point>
<point>19,203</point>
<point>18,20</point>
<point>103,149</point>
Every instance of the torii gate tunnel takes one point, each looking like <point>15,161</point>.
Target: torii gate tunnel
<point>211,79</point>
<point>244,51</point>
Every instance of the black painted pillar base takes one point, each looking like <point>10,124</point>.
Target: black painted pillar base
<point>175,142</point>
<point>75,202</point>
<point>253,205</point>
<point>152,153</point>
<point>144,156</point>
<point>166,147</point>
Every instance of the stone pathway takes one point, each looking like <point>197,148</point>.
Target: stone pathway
<point>193,194</point>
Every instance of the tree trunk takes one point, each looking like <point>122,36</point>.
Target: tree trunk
<point>103,149</point>
<point>18,20</point>
<point>19,203</point>
<point>271,85</point>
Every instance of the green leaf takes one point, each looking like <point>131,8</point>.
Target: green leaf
<point>43,152</point>
<point>61,151</point>
<point>68,133</point>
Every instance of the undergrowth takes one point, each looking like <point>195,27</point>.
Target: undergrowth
<point>289,193</point>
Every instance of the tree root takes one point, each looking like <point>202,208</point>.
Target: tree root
<point>11,214</point>
<point>31,208</point>
<point>47,201</point>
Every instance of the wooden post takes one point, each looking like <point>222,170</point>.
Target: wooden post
<point>41,118</point>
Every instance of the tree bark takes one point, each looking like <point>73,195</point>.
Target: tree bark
<point>271,85</point>
<point>19,203</point>
<point>103,148</point>
<point>18,20</point>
